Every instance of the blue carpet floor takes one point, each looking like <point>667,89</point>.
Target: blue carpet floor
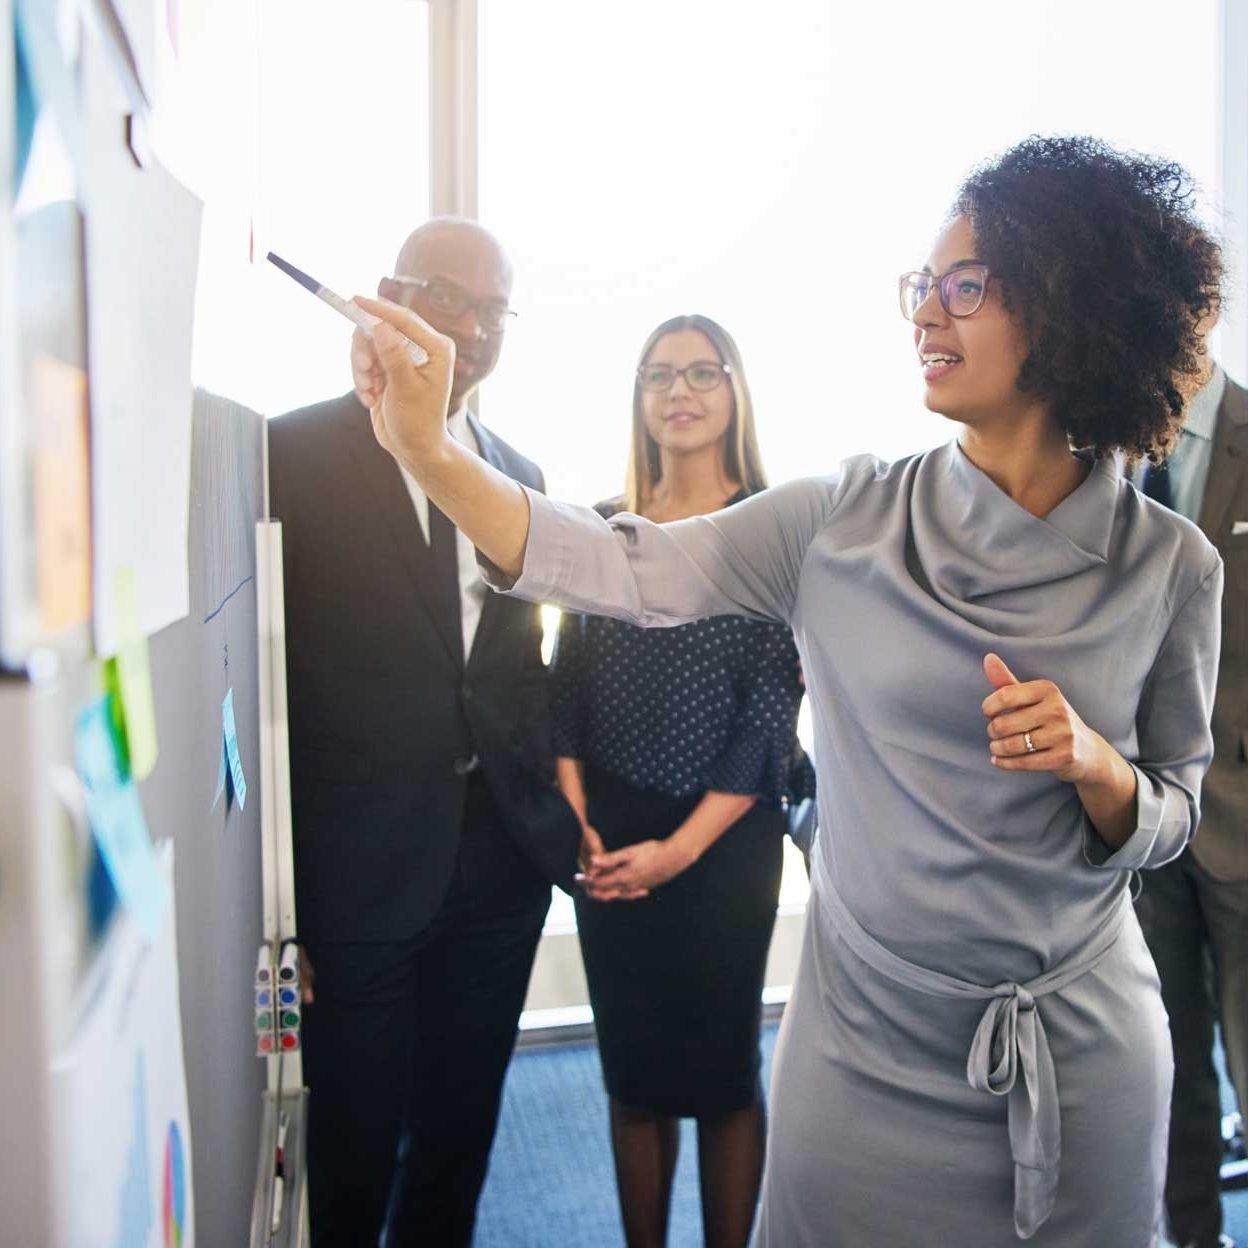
<point>551,1183</point>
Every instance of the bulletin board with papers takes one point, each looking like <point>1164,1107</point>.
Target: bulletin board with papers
<point>130,865</point>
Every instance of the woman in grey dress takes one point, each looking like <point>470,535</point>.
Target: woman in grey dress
<point>1010,655</point>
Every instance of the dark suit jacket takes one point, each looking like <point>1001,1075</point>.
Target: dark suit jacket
<point>1221,841</point>
<point>384,719</point>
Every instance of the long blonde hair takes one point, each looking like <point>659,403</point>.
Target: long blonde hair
<point>742,461</point>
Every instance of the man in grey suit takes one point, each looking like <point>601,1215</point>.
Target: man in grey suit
<point>1194,910</point>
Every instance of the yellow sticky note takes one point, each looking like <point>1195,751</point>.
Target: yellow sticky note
<point>62,492</point>
<point>129,680</point>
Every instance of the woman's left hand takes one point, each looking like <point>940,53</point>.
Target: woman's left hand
<point>631,872</point>
<point>1037,711</point>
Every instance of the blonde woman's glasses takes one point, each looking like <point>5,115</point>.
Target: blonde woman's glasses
<point>700,375</point>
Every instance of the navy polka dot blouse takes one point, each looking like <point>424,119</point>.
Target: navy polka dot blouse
<point>710,705</point>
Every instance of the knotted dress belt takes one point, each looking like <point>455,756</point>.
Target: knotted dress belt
<point>1011,1028</point>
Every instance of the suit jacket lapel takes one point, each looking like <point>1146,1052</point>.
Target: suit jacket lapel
<point>389,496</point>
<point>1228,460</point>
<point>493,607</point>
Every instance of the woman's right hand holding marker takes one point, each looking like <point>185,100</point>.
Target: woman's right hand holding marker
<point>408,404</point>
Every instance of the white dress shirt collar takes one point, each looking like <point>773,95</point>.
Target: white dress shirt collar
<point>460,430</point>
<point>472,589</point>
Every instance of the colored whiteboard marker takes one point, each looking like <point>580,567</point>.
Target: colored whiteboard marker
<point>353,312</point>
<point>279,1171</point>
<point>279,1191</point>
<point>288,970</point>
<point>264,965</point>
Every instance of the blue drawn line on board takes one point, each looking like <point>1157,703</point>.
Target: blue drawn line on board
<point>226,599</point>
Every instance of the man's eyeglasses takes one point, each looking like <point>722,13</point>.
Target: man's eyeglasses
<point>961,290</point>
<point>700,375</point>
<point>446,298</point>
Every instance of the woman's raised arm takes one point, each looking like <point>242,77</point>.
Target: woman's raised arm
<point>745,560</point>
<point>408,406</point>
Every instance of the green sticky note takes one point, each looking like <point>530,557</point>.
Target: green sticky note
<point>128,678</point>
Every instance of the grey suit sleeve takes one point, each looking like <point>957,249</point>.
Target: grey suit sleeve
<point>745,560</point>
<point>1175,740</point>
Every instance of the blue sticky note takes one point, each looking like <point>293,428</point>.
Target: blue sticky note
<point>231,749</point>
<point>221,754</point>
<point>95,751</point>
<point>116,818</point>
<point>27,110</point>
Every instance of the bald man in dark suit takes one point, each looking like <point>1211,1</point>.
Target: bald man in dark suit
<point>427,827</point>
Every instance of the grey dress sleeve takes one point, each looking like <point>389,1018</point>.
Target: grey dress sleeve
<point>744,560</point>
<point>1175,741</point>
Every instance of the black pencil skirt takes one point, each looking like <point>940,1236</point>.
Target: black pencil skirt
<point>676,978</point>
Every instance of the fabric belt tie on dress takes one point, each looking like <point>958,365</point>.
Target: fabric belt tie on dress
<point>1009,1054</point>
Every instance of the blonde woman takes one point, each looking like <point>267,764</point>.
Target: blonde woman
<point>677,749</point>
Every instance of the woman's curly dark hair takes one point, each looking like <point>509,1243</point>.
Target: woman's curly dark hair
<point>1104,262</point>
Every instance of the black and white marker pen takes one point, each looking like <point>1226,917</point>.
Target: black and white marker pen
<point>353,312</point>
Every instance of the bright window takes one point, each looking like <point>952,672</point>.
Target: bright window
<point>777,167</point>
<point>340,169</point>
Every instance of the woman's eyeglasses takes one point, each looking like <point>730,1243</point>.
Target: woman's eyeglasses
<point>450,300</point>
<point>700,375</point>
<point>961,290</point>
